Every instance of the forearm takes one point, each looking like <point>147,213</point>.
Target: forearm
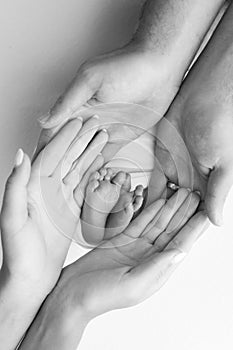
<point>18,307</point>
<point>215,63</point>
<point>175,29</point>
<point>59,324</point>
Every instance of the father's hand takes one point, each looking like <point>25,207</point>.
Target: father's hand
<point>194,149</point>
<point>133,75</point>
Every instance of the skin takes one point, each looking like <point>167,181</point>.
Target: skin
<point>119,273</point>
<point>81,85</point>
<point>202,116</point>
<point>27,232</point>
<point>153,64</point>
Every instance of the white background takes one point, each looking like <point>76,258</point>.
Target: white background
<point>42,44</point>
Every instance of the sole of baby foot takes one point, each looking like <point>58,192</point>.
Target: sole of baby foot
<point>102,194</point>
<point>123,212</point>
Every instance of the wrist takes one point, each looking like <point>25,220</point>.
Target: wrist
<point>18,307</point>
<point>161,63</point>
<point>19,291</point>
<point>59,324</point>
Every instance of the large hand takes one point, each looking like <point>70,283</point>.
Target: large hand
<point>133,265</point>
<point>34,247</point>
<point>128,75</point>
<point>195,144</point>
<point>202,115</point>
<point>119,273</point>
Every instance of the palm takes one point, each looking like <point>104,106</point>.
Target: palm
<point>51,202</point>
<point>107,275</point>
<point>197,150</point>
<point>124,122</point>
<point>177,159</point>
<point>106,269</point>
<point>119,79</point>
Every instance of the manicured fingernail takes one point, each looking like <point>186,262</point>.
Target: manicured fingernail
<point>19,157</point>
<point>96,116</point>
<point>80,118</point>
<point>178,258</point>
<point>42,120</point>
<point>104,130</point>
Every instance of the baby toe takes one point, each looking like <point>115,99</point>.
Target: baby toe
<point>94,176</point>
<point>139,190</point>
<point>92,186</point>
<point>109,173</point>
<point>119,178</point>
<point>137,203</point>
<point>126,186</point>
<point>102,172</point>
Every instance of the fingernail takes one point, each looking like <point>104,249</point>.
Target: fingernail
<point>80,118</point>
<point>44,118</point>
<point>198,193</point>
<point>178,258</point>
<point>96,116</point>
<point>219,221</point>
<point>19,157</point>
<point>104,130</point>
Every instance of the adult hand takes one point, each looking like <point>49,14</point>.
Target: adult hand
<point>37,198</point>
<point>119,273</point>
<point>202,116</point>
<point>131,75</point>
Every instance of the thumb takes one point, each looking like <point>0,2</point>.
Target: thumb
<point>81,89</point>
<point>150,276</point>
<point>218,187</point>
<point>14,208</point>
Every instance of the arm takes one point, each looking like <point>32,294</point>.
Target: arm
<point>202,115</point>
<point>59,325</point>
<point>18,307</point>
<point>148,70</point>
<point>175,30</point>
<point>34,247</point>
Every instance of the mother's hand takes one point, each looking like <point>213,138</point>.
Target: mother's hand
<point>38,201</point>
<point>119,273</point>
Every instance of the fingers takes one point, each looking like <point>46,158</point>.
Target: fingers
<point>219,184</point>
<point>163,218</point>
<point>74,177</point>
<point>14,208</point>
<point>148,277</point>
<point>81,89</point>
<point>182,215</point>
<point>80,145</point>
<point>53,153</point>
<point>137,227</point>
<point>189,234</point>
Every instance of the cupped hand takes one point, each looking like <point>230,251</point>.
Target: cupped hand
<point>194,148</point>
<point>37,197</point>
<point>131,75</point>
<point>132,266</point>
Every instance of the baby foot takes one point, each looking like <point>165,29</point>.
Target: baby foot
<point>123,211</point>
<point>102,194</point>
